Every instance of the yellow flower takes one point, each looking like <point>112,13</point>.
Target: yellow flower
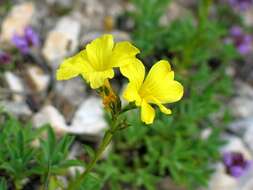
<point>96,62</point>
<point>159,87</point>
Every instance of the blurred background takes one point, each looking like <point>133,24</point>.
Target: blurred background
<point>205,144</point>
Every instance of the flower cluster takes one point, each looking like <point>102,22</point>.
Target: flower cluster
<point>241,4</point>
<point>242,41</point>
<point>5,58</point>
<point>96,65</point>
<point>235,163</point>
<point>28,40</point>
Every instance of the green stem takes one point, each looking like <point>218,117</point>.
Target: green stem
<point>17,184</point>
<point>75,185</point>
<point>47,176</point>
<point>128,107</point>
<point>106,141</point>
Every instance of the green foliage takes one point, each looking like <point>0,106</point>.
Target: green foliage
<point>21,156</point>
<point>91,182</point>
<point>192,40</point>
<point>148,32</point>
<point>174,145</point>
<point>3,184</point>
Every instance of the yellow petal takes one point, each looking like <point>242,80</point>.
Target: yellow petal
<point>131,94</point>
<point>123,54</point>
<point>97,78</point>
<point>71,67</point>
<point>165,110</point>
<point>160,85</point>
<point>147,112</point>
<point>161,71</point>
<point>99,52</point>
<point>135,73</point>
<point>162,107</point>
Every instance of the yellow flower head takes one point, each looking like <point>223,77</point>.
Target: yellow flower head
<point>96,62</point>
<point>159,87</point>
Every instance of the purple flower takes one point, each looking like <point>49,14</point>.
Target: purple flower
<point>235,163</point>
<point>241,4</point>
<point>28,40</point>
<point>4,58</point>
<point>242,41</point>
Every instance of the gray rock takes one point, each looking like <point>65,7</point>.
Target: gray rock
<point>242,105</point>
<point>173,12</point>
<point>20,16</point>
<point>50,115</point>
<point>19,109</point>
<point>15,84</point>
<point>244,128</point>
<point>73,90</point>
<point>236,144</point>
<point>221,181</point>
<point>62,40</point>
<point>89,118</point>
<point>39,79</point>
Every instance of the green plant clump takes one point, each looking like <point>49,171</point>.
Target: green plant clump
<point>175,146</point>
<point>29,154</point>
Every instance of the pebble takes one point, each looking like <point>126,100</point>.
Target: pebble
<point>20,16</point>
<point>242,105</point>
<point>221,181</point>
<point>39,79</point>
<point>62,40</point>
<point>15,84</point>
<point>173,12</point>
<point>73,90</point>
<point>244,128</point>
<point>19,109</point>
<point>89,118</point>
<point>236,144</point>
<point>50,115</point>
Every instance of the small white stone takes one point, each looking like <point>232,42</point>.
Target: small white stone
<point>62,40</point>
<point>235,144</point>
<point>242,107</point>
<point>15,84</point>
<point>245,182</point>
<point>16,108</point>
<point>50,115</point>
<point>39,79</point>
<point>89,118</point>
<point>174,11</point>
<point>92,7</point>
<point>73,90</point>
<point>19,17</point>
<point>206,133</point>
<point>221,181</point>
